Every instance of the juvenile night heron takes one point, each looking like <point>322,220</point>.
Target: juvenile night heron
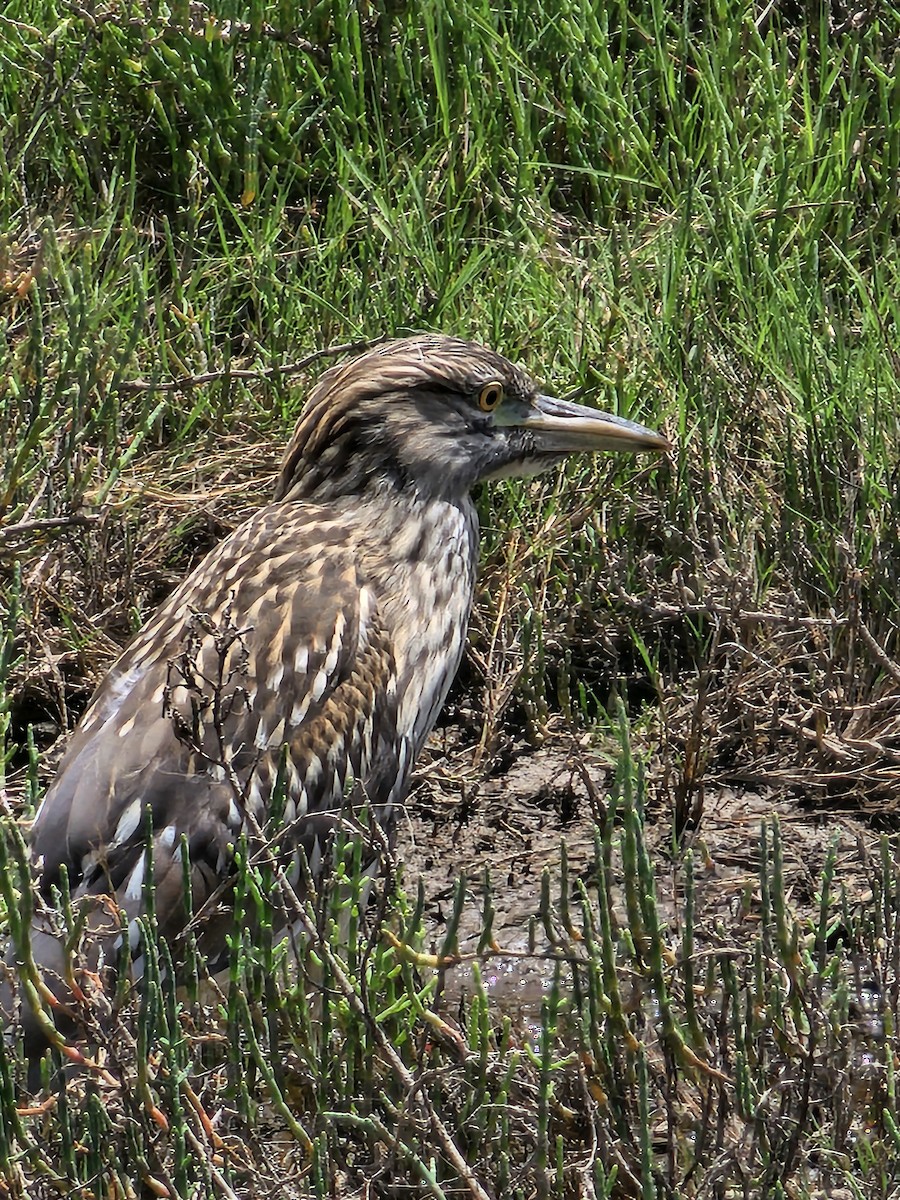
<point>318,640</point>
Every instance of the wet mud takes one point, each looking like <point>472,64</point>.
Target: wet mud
<point>514,826</point>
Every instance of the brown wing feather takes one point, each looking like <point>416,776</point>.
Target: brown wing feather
<point>274,642</point>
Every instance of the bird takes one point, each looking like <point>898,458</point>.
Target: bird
<point>309,653</point>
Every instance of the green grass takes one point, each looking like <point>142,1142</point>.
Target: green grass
<point>689,214</point>
<point>664,1052</point>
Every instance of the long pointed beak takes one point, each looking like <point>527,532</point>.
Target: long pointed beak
<point>560,427</point>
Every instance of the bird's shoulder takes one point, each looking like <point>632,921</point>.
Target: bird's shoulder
<point>288,574</point>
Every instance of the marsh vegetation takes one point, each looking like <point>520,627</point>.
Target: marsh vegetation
<point>669,766</point>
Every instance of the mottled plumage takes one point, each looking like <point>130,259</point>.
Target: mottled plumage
<point>322,634</point>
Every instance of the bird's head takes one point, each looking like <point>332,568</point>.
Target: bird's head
<point>437,415</point>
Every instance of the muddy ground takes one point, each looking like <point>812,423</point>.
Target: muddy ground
<point>514,823</point>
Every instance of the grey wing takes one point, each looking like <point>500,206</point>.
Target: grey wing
<point>282,664</point>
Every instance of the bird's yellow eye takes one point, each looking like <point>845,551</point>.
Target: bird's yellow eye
<point>490,396</point>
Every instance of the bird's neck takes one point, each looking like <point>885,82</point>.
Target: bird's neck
<point>422,564</point>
